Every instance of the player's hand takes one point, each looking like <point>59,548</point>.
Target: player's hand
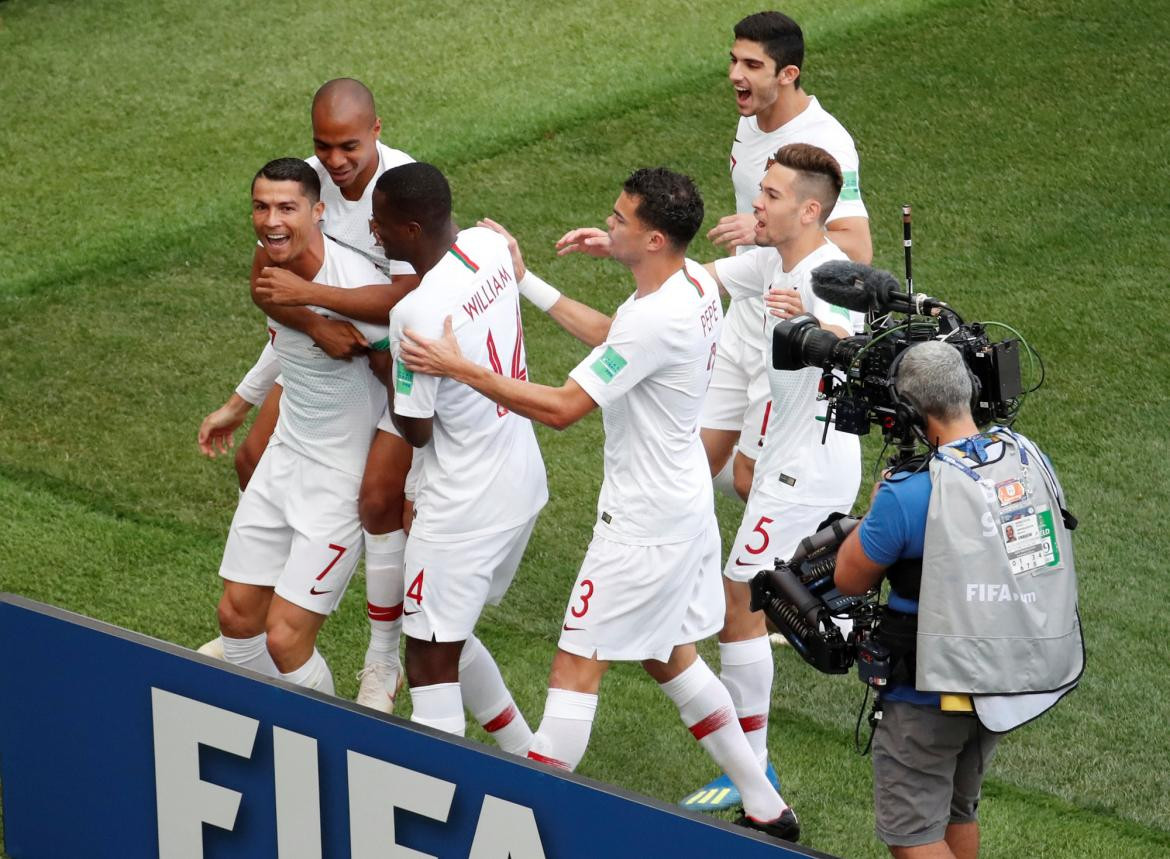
<point>733,231</point>
<point>280,286</point>
<point>584,240</point>
<point>338,338</point>
<point>217,431</point>
<point>434,357</point>
<point>513,246</point>
<point>784,303</point>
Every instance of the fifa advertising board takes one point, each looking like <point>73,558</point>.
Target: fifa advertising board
<point>113,744</point>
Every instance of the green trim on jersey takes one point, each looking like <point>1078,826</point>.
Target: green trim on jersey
<point>462,257</point>
<point>382,345</point>
<point>609,365</point>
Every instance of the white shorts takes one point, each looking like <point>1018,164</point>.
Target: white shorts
<point>631,603</point>
<point>449,583</point>
<point>772,529</point>
<point>738,400</point>
<point>296,529</point>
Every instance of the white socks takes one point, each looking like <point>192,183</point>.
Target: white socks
<point>439,706</point>
<point>314,674</point>
<point>724,481</point>
<point>250,653</point>
<point>564,731</point>
<point>384,594</point>
<point>747,674</point>
<point>706,709</point>
<point>489,700</point>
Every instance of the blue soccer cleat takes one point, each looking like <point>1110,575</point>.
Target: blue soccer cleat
<point>722,794</point>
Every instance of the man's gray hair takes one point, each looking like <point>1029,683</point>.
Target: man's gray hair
<point>934,377</point>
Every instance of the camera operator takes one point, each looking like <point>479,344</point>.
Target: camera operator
<point>949,555</point>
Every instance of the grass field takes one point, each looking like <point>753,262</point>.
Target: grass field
<point>1028,134</point>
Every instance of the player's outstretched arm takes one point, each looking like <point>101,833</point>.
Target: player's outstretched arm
<point>216,432</point>
<point>554,407</point>
<point>589,326</point>
<point>371,303</point>
<point>852,236</point>
<point>337,338</point>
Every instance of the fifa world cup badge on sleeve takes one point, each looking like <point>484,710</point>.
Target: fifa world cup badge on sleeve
<point>609,365</point>
<point>403,379</point>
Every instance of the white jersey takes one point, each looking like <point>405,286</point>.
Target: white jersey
<point>482,473</point>
<point>650,378</point>
<point>330,408</point>
<point>348,223</point>
<point>749,155</point>
<point>794,466</point>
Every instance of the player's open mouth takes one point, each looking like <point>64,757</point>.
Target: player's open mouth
<point>742,95</point>
<point>277,240</point>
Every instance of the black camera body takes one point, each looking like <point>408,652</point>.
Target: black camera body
<point>800,599</point>
<point>859,371</point>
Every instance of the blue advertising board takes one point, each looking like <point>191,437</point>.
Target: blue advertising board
<point>113,744</point>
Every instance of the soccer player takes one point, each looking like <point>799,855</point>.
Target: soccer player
<point>805,471</point>
<point>482,483</point>
<point>766,60</point>
<point>349,158</point>
<point>649,585</point>
<point>296,534</point>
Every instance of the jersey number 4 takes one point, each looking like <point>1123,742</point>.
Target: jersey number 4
<point>519,370</point>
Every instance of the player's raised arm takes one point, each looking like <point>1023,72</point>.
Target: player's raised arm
<point>586,324</point>
<point>371,303</point>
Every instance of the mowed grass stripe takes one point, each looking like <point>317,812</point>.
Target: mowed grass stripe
<point>160,150</point>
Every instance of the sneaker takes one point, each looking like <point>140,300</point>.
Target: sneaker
<point>375,682</point>
<point>785,827</point>
<point>722,794</point>
<point>213,648</point>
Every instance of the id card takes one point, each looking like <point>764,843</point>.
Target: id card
<point>1030,539</point>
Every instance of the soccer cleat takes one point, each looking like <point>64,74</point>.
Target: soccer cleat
<point>785,827</point>
<point>213,648</point>
<point>778,640</point>
<point>722,793</point>
<point>375,681</point>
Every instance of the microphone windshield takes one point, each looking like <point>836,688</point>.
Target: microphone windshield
<point>853,286</point>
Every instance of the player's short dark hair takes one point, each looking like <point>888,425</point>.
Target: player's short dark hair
<point>667,201</point>
<point>417,192</point>
<point>292,170</point>
<point>818,171</point>
<point>778,34</point>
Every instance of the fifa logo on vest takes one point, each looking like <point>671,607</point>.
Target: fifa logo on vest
<point>996,593</point>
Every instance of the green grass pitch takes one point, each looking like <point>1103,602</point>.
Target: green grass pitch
<point>1028,134</point>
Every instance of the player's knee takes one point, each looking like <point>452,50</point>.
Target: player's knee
<point>236,620</point>
<point>380,510</point>
<point>287,645</point>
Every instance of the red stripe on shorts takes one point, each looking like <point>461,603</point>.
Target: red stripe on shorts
<point>712,723</point>
<point>504,719</point>
<point>552,762</point>
<point>384,612</point>
<point>754,723</point>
